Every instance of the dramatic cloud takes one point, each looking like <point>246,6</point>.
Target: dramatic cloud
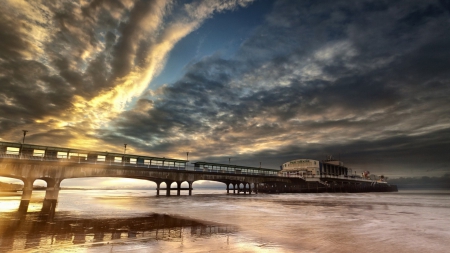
<point>323,77</point>
<point>365,79</point>
<point>91,60</point>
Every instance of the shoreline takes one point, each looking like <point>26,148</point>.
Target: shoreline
<point>10,193</point>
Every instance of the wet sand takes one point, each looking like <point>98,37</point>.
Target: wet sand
<point>211,221</point>
<point>9,193</point>
<point>40,231</point>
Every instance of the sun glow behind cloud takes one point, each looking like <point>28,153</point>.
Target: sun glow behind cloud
<point>149,30</point>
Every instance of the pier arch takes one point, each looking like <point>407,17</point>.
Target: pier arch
<point>107,182</point>
<point>184,185</point>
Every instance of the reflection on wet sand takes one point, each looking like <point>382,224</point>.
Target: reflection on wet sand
<point>42,231</point>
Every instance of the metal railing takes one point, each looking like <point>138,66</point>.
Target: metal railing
<point>324,176</point>
<point>84,160</point>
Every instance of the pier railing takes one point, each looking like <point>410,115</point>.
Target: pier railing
<point>84,160</point>
<point>324,177</point>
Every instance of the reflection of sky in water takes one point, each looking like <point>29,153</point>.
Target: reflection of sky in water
<point>8,205</point>
<point>391,222</point>
<point>9,202</point>
<point>41,231</point>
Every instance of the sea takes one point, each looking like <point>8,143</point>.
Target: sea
<point>212,221</point>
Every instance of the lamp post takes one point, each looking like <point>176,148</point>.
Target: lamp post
<point>124,152</point>
<point>23,142</point>
<point>24,134</point>
<point>187,160</point>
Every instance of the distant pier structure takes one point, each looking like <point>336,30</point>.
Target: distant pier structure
<point>326,176</point>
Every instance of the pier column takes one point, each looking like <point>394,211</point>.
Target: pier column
<point>157,188</point>
<point>190,187</point>
<point>168,185</point>
<point>26,194</point>
<point>51,194</point>
<point>249,189</point>
<point>228,188</point>
<point>234,188</point>
<point>239,188</point>
<point>179,188</point>
<point>245,188</point>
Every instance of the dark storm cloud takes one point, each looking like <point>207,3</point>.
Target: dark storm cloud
<point>328,73</point>
<point>198,97</point>
<point>11,43</point>
<point>391,156</point>
<point>53,52</point>
<point>80,34</point>
<point>125,49</point>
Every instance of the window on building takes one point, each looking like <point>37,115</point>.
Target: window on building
<point>62,155</point>
<point>39,152</point>
<point>12,151</point>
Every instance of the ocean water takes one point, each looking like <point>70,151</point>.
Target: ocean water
<point>212,221</point>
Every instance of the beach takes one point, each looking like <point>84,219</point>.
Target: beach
<point>212,221</point>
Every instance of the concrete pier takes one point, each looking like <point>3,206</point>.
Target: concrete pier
<point>26,194</point>
<point>54,172</point>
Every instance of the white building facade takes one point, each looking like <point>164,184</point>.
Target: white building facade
<point>312,168</point>
<point>300,168</point>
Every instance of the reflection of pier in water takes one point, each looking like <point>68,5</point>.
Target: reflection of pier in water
<point>40,230</point>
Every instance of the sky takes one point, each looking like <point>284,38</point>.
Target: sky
<point>255,81</point>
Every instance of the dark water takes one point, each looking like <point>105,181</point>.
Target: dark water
<point>211,221</point>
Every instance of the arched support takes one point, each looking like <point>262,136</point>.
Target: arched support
<point>51,194</point>
<point>26,194</point>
